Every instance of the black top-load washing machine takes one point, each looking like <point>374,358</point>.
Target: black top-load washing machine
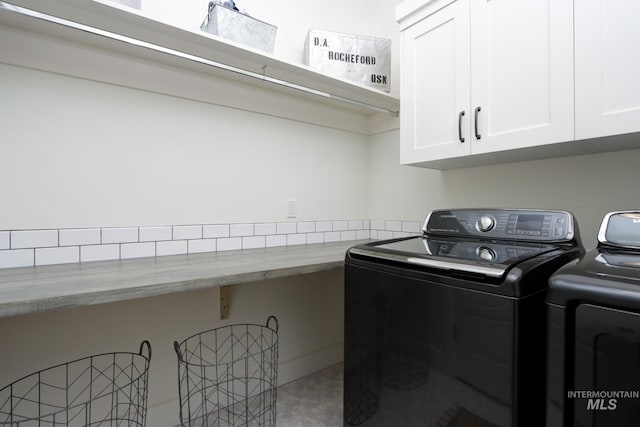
<point>448,328</point>
<point>594,331</point>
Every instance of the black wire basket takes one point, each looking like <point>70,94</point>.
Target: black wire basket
<point>228,376</point>
<point>102,390</point>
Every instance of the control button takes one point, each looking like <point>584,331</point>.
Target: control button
<point>557,232</point>
<point>560,220</point>
<point>486,253</point>
<point>485,223</point>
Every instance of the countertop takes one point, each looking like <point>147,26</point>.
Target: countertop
<point>35,289</point>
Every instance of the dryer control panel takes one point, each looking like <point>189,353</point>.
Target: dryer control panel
<point>620,229</point>
<point>509,224</point>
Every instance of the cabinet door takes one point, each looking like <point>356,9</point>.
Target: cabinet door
<point>522,73</point>
<point>435,86</point>
<point>607,43</point>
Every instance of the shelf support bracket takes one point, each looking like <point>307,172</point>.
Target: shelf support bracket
<point>225,301</point>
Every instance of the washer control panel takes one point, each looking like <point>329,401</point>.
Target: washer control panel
<point>512,224</point>
<point>485,223</point>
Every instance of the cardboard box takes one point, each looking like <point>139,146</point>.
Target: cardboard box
<point>361,59</point>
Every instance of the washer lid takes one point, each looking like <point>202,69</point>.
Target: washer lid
<point>603,276</point>
<point>609,274</point>
<point>620,229</point>
<point>488,258</point>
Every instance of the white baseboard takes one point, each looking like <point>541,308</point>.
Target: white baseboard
<point>309,363</point>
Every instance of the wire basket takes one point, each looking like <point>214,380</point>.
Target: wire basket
<point>228,376</point>
<point>102,390</point>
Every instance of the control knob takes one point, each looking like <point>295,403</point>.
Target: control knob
<point>485,223</point>
<point>486,253</point>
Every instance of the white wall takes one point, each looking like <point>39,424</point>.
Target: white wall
<point>139,158</point>
<point>80,153</point>
<point>84,154</point>
<point>396,191</point>
<point>588,185</point>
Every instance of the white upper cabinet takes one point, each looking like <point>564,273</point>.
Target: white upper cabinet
<point>607,55</point>
<point>435,80</point>
<point>541,75</point>
<point>485,76</point>
<point>521,73</point>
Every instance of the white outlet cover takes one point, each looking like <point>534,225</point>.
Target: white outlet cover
<point>292,208</point>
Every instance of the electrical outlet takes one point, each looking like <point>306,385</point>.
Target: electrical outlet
<point>292,208</point>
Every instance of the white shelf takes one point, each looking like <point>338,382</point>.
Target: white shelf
<point>186,51</point>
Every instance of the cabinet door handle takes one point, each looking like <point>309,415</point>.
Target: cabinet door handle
<point>478,136</point>
<point>460,137</point>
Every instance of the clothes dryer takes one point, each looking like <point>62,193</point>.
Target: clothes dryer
<point>594,331</point>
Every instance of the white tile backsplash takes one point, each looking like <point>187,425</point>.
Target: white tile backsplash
<point>34,239</point>
<point>4,240</point>
<point>377,224</point>
<point>322,226</point>
<point>313,238</point>
<point>119,235</point>
<point>412,226</point>
<point>201,245</point>
<point>393,225</point>
<point>331,236</point>
<point>62,255</point>
<point>296,239</point>
<point>240,230</point>
<point>384,235</point>
<point>306,227</point>
<point>155,234</point>
<point>19,248</point>
<point>137,250</point>
<point>80,236</point>
<point>347,235</point>
<point>253,242</point>
<point>277,240</point>
<point>265,229</point>
<point>175,247</point>
<point>99,253</point>
<point>185,232</point>
<point>17,258</point>
<point>355,224</point>
<point>286,228</point>
<point>229,244</point>
<point>215,231</point>
<point>340,225</point>
<point>362,234</point>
